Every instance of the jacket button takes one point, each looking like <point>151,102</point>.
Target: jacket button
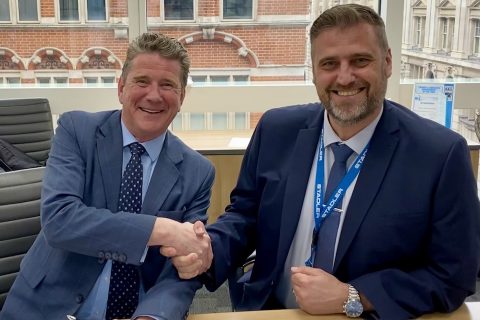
<point>79,298</point>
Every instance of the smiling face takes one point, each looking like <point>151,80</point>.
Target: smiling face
<point>350,73</point>
<point>151,94</point>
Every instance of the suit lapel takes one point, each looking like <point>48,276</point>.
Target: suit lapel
<point>380,153</point>
<point>109,151</point>
<point>164,176</point>
<point>296,184</point>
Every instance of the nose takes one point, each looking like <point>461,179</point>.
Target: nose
<point>345,75</point>
<point>154,93</point>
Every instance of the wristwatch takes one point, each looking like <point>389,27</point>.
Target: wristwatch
<point>352,308</point>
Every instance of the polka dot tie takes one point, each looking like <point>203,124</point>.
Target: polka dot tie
<point>124,279</point>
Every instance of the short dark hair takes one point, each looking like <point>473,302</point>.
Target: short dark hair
<point>348,15</point>
<point>151,42</point>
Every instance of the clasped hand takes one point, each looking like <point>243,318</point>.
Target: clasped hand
<point>190,250</point>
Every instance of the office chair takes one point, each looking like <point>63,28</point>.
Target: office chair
<point>27,125</point>
<point>19,221</point>
<point>237,279</point>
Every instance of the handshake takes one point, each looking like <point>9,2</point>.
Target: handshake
<point>187,244</point>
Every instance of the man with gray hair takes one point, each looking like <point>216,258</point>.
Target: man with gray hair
<point>118,186</point>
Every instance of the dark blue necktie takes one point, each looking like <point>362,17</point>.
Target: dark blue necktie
<point>124,279</point>
<point>327,236</point>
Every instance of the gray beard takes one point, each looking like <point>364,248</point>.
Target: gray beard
<point>359,113</point>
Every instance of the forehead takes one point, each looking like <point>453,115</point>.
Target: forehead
<point>345,41</point>
<point>152,64</point>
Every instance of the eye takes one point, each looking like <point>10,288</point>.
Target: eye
<point>328,65</point>
<point>167,86</point>
<point>141,82</point>
<point>361,62</point>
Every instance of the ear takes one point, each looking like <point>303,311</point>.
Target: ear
<point>182,97</point>
<point>120,87</point>
<point>388,63</point>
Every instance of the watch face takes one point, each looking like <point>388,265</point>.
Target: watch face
<point>353,308</point>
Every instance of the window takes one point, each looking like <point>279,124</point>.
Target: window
<point>476,38</point>
<point>220,79</point>
<point>240,120</point>
<point>219,120</point>
<point>199,79</point>
<point>446,33</point>
<point>45,81</point>
<point>95,80</point>
<point>4,10</point>
<point>27,10</point>
<point>419,26</point>
<point>178,9</point>
<point>197,121</point>
<point>68,10</point>
<point>96,10</point>
<point>237,9</point>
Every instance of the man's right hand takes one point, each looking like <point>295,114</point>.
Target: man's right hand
<point>188,245</point>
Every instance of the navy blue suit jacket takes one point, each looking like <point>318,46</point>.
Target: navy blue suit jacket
<point>81,229</point>
<point>410,239</point>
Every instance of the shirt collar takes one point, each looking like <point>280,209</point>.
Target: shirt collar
<point>153,147</point>
<point>358,142</point>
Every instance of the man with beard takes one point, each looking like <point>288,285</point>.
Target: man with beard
<point>399,234</point>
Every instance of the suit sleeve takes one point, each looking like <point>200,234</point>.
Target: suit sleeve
<point>453,247</point>
<point>71,225</point>
<point>171,297</point>
<point>234,233</point>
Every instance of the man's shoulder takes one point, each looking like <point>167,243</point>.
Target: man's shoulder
<point>295,114</point>
<point>85,117</point>
<point>419,127</point>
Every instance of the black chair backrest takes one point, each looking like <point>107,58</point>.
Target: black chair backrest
<point>19,221</point>
<point>27,124</point>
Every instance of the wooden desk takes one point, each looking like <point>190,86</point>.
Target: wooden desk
<point>468,311</point>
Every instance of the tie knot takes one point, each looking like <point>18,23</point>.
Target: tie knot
<point>341,152</point>
<point>136,148</point>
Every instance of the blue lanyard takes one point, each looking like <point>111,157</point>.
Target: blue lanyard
<point>322,211</point>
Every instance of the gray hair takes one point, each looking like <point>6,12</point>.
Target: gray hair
<point>347,15</point>
<point>164,46</point>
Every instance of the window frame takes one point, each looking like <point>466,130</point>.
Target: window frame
<point>87,19</point>
<point>17,7</point>
<point>476,37</point>
<point>164,19</point>
<point>82,13</point>
<point>226,19</point>
<point>10,14</point>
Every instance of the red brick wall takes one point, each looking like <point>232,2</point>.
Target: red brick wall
<point>153,8</point>
<point>208,8</point>
<point>118,8</point>
<point>283,7</point>
<point>277,78</point>
<point>273,45</point>
<point>73,41</point>
<point>210,54</point>
<point>47,8</point>
<point>254,118</point>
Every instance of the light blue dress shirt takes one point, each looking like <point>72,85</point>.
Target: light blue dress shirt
<point>95,305</point>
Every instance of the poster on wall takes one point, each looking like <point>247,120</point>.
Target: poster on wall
<point>434,101</point>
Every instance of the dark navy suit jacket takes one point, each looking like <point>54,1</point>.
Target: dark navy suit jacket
<point>79,232</point>
<point>411,237</point>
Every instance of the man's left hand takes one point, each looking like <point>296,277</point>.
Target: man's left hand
<point>317,291</point>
